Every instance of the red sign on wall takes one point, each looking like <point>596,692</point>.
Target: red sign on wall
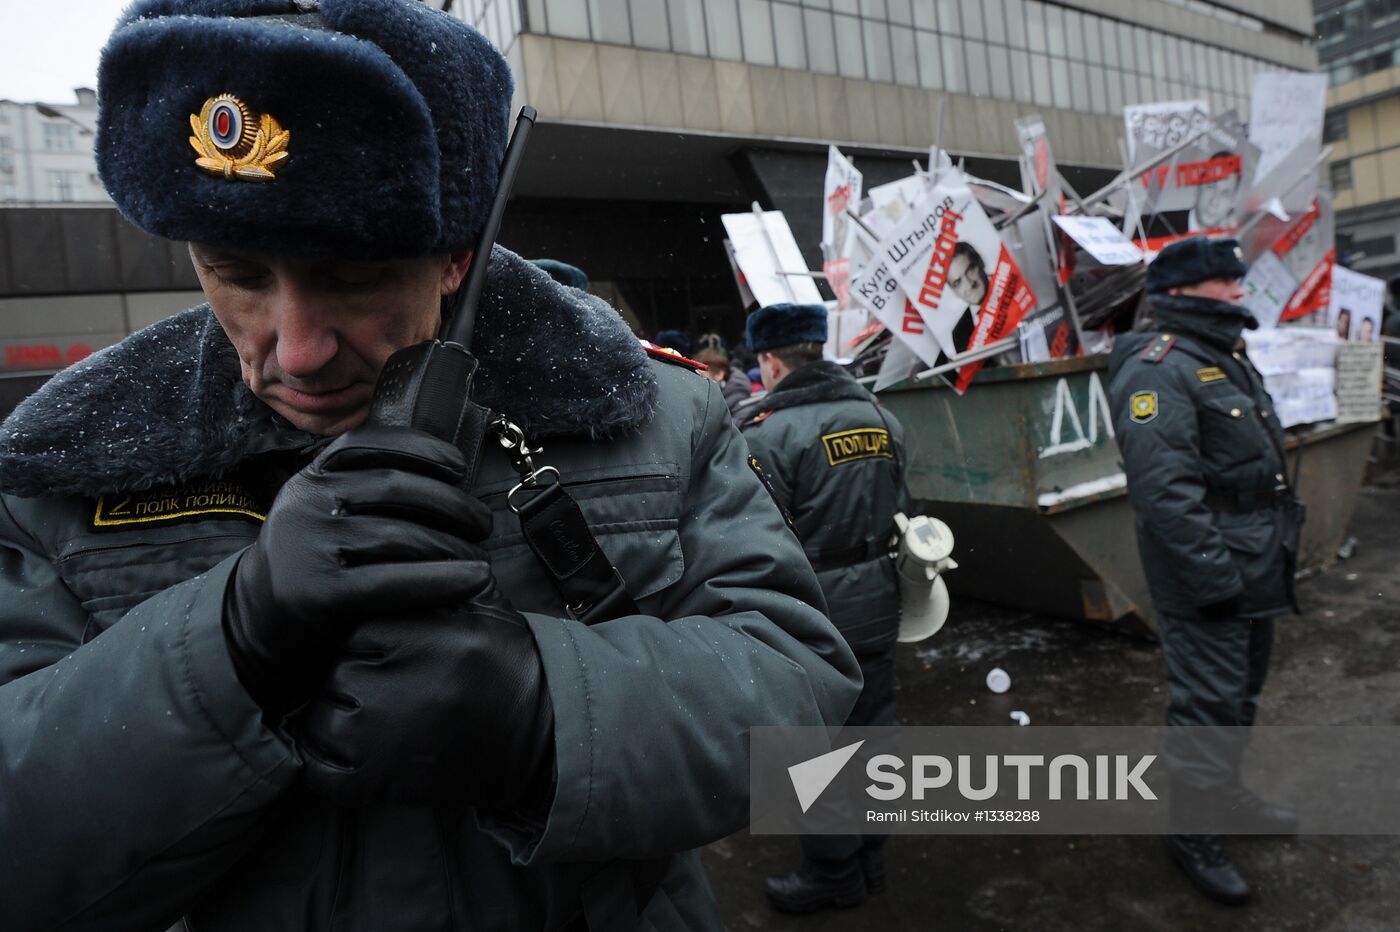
<point>44,355</point>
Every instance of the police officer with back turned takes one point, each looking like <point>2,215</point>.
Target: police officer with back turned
<point>835,460</point>
<point>1217,526</point>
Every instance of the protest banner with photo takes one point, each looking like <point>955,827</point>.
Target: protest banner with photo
<point>1354,311</point>
<point>1209,178</point>
<point>877,289</point>
<point>1218,168</point>
<point>1286,112</point>
<point>764,247</point>
<point>842,191</point>
<point>961,279</point>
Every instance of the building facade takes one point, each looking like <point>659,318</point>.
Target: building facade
<point>719,103</point>
<point>1357,43</point>
<point>659,116</point>
<point>46,153</point>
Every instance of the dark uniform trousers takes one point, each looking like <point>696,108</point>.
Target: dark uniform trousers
<point>1215,670</point>
<point>874,707</point>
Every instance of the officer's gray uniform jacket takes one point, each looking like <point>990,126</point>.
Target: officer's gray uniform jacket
<point>137,779</point>
<point>834,459</point>
<point>1203,454</point>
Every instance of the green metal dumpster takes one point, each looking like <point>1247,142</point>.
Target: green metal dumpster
<point>1025,470</point>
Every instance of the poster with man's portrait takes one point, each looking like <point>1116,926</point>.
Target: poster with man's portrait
<point>957,273</point>
<point>1209,178</point>
<point>1354,312</point>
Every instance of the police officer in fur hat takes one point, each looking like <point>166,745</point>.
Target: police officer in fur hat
<point>265,665</point>
<point>1217,526</point>
<point>835,459</point>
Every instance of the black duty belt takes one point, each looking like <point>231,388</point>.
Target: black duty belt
<point>834,558</point>
<point>1241,501</point>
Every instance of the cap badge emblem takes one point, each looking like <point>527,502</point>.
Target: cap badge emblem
<point>237,143</point>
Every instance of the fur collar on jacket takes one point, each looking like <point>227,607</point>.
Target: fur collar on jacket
<point>813,383</point>
<point>167,404</point>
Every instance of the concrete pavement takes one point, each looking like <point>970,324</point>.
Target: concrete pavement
<point>1338,663</point>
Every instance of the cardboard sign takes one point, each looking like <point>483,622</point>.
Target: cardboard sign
<point>1360,367</point>
<point>1285,122</point>
<point>1100,239</point>
<point>1048,334</point>
<point>842,191</point>
<point>1299,369</point>
<point>1161,125</point>
<point>1267,287</point>
<point>763,248</point>
<point>1357,301</point>
<point>746,298</point>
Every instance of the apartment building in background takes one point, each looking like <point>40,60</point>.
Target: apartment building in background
<point>46,153</point>
<point>1358,45</point>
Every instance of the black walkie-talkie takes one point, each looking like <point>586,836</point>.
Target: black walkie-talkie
<point>428,386</point>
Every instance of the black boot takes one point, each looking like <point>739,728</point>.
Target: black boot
<point>1264,817</point>
<point>872,865</point>
<point>1204,861</point>
<point>817,885</point>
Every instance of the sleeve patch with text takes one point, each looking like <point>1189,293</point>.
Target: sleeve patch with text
<point>1211,374</point>
<point>865,443</point>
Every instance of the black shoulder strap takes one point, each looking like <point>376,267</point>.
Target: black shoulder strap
<point>558,533</point>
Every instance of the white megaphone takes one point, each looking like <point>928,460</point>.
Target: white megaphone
<point>925,552</point>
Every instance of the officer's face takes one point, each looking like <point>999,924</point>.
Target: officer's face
<point>1229,290</point>
<point>312,335</point>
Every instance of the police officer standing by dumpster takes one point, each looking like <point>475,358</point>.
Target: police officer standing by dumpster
<point>274,658</point>
<point>835,460</point>
<point>1217,527</point>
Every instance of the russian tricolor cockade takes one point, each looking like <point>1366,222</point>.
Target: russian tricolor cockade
<point>237,143</point>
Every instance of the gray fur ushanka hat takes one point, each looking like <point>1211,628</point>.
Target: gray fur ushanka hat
<point>338,128</point>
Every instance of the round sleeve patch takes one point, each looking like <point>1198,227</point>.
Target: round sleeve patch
<point>1143,406</point>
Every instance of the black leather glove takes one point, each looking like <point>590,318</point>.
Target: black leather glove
<point>443,708</point>
<point>1225,608</point>
<point>376,524</point>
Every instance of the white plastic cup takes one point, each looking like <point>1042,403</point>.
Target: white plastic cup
<point>998,680</point>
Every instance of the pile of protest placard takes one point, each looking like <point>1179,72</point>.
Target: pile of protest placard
<point>938,273</point>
